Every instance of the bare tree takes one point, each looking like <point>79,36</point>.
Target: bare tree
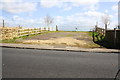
<point>48,21</point>
<point>106,20</point>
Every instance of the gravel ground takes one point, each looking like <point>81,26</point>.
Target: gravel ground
<point>75,39</point>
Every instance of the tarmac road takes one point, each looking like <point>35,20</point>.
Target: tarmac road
<point>31,63</point>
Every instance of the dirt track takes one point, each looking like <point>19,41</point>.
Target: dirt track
<point>76,39</point>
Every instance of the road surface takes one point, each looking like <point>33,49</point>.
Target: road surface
<point>31,63</point>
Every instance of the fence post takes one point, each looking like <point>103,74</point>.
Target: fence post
<point>114,37</point>
<point>3,23</point>
<point>56,28</point>
<point>48,28</point>
<point>96,26</point>
<point>93,36</point>
<point>39,29</point>
<point>29,31</point>
<point>18,32</point>
<point>105,29</point>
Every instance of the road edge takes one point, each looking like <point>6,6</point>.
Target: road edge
<point>73,49</point>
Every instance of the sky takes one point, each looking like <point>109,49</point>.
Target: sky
<point>66,14</point>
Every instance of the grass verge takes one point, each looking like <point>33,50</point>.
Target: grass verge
<point>22,37</point>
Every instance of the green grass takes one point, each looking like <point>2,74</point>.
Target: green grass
<point>97,36</point>
<point>69,35</point>
<point>69,31</point>
<point>8,41</point>
<point>22,37</point>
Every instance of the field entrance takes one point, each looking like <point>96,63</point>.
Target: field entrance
<point>62,39</point>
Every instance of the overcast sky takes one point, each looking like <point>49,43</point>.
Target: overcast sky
<point>67,14</point>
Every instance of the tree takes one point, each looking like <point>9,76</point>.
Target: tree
<point>48,21</point>
<point>106,20</point>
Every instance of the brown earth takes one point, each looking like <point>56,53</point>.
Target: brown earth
<point>63,39</point>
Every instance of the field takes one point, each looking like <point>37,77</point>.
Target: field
<point>58,39</point>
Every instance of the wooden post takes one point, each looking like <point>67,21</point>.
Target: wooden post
<point>105,28</point>
<point>96,26</point>
<point>3,24</point>
<point>29,31</point>
<point>56,28</point>
<point>18,32</point>
<point>44,28</point>
<point>39,29</point>
<point>19,26</point>
<point>118,27</point>
<point>93,36</point>
<point>48,28</point>
<point>114,37</point>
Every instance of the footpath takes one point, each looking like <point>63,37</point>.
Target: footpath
<point>49,47</point>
